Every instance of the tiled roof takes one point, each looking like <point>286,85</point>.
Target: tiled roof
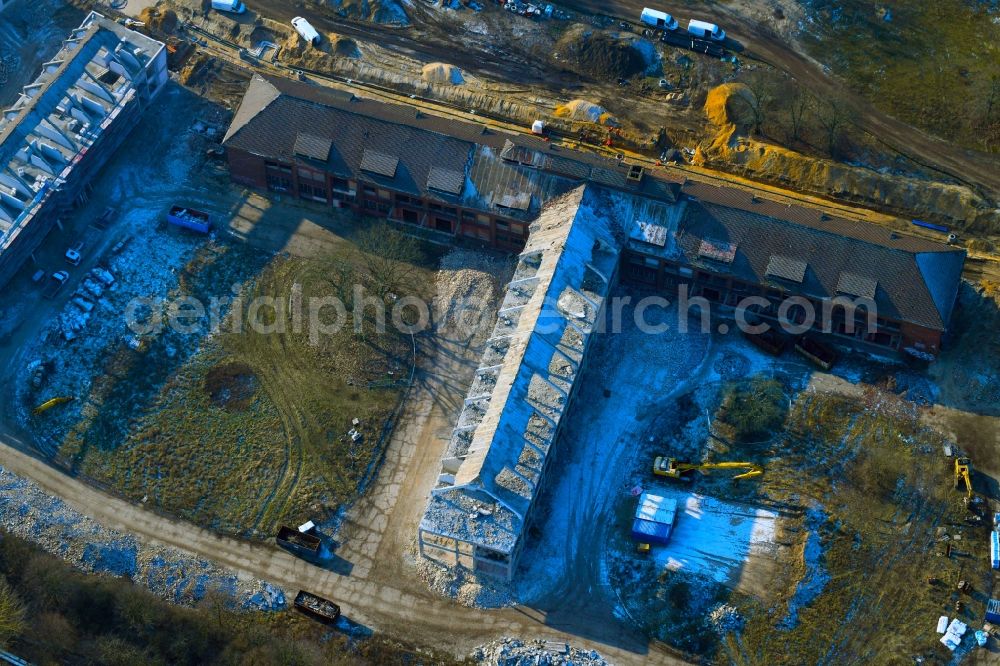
<point>501,167</point>
<point>912,279</point>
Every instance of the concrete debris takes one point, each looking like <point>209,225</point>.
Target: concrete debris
<point>725,619</point>
<point>515,652</point>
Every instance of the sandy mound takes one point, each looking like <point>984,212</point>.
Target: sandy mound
<point>442,73</point>
<point>598,54</point>
<point>584,111</point>
<point>729,108</point>
<point>390,12</point>
<point>159,20</point>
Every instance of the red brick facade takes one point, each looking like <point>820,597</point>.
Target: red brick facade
<point>368,198</point>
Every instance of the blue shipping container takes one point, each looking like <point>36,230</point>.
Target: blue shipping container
<point>646,531</point>
<point>995,549</point>
<point>993,611</point>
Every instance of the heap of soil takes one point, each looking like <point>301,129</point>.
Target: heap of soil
<point>389,12</point>
<point>231,386</point>
<point>344,47</point>
<point>159,20</point>
<point>728,107</point>
<point>583,111</point>
<point>442,74</point>
<point>598,54</point>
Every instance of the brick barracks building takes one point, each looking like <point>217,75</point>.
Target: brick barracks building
<point>470,181</point>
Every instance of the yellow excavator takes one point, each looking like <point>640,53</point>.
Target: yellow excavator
<point>670,468</point>
<point>963,474</point>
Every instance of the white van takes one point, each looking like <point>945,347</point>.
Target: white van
<point>304,28</point>
<point>706,30</point>
<point>234,6</point>
<point>658,19</point>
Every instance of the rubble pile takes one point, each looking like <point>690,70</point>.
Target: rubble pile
<point>466,295</point>
<point>27,511</point>
<point>725,619</point>
<point>515,652</point>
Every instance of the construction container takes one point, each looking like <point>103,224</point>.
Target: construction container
<point>654,519</point>
<point>995,549</point>
<point>821,355</point>
<point>189,218</point>
<point>993,611</point>
<point>300,543</point>
<point>316,606</point>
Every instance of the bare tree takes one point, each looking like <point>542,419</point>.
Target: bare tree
<point>832,115</point>
<point>797,107</point>
<point>762,87</point>
<point>390,257</point>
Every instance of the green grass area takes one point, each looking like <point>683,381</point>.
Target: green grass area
<point>251,429</point>
<point>886,497</point>
<point>935,65</point>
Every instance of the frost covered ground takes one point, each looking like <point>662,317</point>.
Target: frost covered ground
<point>27,511</point>
<point>715,538</point>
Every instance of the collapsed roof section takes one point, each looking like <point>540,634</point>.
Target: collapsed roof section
<point>58,117</point>
<point>498,451</point>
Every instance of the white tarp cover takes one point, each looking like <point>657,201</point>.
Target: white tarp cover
<point>656,508</point>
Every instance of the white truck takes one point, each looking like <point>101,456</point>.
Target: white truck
<point>232,6</point>
<point>304,28</point>
<point>657,19</point>
<point>706,30</point>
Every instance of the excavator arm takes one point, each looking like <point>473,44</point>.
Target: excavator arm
<point>669,467</point>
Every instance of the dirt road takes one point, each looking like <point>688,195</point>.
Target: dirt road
<point>387,597</point>
<point>979,170</point>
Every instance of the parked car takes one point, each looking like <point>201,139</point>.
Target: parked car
<point>74,254</point>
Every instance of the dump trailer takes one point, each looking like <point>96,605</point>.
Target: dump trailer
<point>823,356</point>
<point>770,340</point>
<point>55,284</point>
<point>316,606</point>
<point>189,218</point>
<point>300,543</point>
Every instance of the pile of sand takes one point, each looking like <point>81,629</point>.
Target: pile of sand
<point>728,107</point>
<point>159,20</point>
<point>442,74</point>
<point>601,55</point>
<point>583,111</point>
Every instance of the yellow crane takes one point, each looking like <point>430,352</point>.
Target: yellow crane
<point>669,467</point>
<point>49,404</point>
<point>963,474</point>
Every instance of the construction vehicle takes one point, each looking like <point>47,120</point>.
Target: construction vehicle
<point>670,468</point>
<point>49,404</point>
<point>963,474</point>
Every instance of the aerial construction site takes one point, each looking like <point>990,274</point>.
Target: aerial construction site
<point>496,332</point>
